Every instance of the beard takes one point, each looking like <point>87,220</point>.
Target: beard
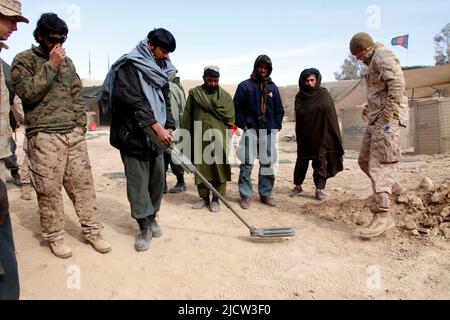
<point>209,89</point>
<point>46,50</point>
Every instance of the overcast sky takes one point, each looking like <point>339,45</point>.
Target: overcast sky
<point>232,33</point>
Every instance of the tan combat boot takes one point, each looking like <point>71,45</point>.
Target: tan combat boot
<point>381,223</point>
<point>60,250</point>
<point>26,191</point>
<point>99,244</point>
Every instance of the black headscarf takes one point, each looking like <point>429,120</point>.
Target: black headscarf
<point>264,82</point>
<point>317,125</point>
<point>306,92</point>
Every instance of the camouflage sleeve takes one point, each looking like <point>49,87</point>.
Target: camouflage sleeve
<point>32,85</point>
<point>392,74</point>
<point>75,91</point>
<point>17,110</point>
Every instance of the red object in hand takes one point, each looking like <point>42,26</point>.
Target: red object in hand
<point>93,126</point>
<point>235,130</point>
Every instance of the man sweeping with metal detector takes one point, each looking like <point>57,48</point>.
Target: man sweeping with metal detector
<point>187,165</point>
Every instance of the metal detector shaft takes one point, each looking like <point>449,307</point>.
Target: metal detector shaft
<point>186,164</point>
<point>181,159</point>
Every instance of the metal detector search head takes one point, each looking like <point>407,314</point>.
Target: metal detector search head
<point>272,233</point>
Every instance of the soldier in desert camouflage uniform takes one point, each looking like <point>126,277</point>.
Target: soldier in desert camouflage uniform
<point>10,16</point>
<point>386,111</point>
<point>46,81</point>
<point>5,127</point>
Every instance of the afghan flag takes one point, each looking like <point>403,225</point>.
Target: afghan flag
<point>401,41</point>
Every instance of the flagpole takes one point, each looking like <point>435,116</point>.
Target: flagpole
<point>407,57</point>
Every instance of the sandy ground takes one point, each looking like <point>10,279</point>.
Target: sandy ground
<point>211,256</point>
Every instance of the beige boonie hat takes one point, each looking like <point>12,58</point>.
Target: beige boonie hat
<point>12,8</point>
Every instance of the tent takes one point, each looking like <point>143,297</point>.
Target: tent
<point>420,83</point>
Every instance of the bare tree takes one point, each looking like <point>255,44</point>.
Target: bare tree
<point>442,42</point>
<point>351,69</point>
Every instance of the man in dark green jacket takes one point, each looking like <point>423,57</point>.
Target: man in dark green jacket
<point>210,109</point>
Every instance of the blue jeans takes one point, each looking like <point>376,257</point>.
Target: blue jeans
<point>9,281</point>
<point>262,146</point>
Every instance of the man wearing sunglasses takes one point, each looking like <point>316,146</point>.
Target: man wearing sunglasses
<point>46,81</point>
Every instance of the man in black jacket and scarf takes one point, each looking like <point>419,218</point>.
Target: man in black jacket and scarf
<point>318,134</point>
<point>136,90</point>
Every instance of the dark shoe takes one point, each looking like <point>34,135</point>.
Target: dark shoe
<point>268,201</point>
<point>320,195</point>
<point>246,203</point>
<point>201,204</point>
<point>215,206</point>
<point>296,191</point>
<point>154,226</point>
<point>179,188</point>
<point>145,235</point>
<point>16,179</point>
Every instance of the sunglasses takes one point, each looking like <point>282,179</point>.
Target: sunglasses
<point>57,40</point>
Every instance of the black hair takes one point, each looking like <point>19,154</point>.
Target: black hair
<point>163,39</point>
<point>50,23</point>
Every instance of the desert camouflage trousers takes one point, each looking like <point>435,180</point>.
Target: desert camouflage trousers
<point>58,160</point>
<point>379,156</point>
<point>24,170</point>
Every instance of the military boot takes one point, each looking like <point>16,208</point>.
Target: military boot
<point>99,244</point>
<point>25,190</point>
<point>60,250</point>
<point>145,235</point>
<point>381,223</point>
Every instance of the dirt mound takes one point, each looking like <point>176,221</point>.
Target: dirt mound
<point>426,210</point>
<point>421,212</point>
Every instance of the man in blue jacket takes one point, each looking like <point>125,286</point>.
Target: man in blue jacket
<point>260,113</point>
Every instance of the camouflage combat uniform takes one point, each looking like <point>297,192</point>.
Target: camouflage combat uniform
<point>55,120</point>
<point>19,116</point>
<point>387,110</point>
<point>5,127</point>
